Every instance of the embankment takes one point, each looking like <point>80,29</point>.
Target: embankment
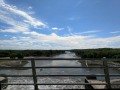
<point>18,63</point>
<point>100,63</point>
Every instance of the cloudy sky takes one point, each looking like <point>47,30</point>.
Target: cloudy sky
<point>59,24</point>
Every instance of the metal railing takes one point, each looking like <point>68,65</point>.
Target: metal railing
<point>34,75</point>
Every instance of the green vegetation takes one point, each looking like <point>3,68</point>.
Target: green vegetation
<point>98,53</point>
<point>83,53</point>
<point>22,53</point>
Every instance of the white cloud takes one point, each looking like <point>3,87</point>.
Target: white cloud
<point>31,12</point>
<point>56,28</point>
<point>15,29</point>
<point>27,18</point>
<point>53,41</point>
<point>69,30</point>
<point>30,7</point>
<point>2,2</point>
<point>14,37</point>
<point>33,33</point>
<point>8,20</point>
<point>88,32</point>
<point>114,32</point>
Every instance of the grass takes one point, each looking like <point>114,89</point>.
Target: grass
<point>11,62</point>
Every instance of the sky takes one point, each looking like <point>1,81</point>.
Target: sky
<point>59,24</point>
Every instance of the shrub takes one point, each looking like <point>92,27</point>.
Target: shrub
<point>20,56</point>
<point>12,55</point>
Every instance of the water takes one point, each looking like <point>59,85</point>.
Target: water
<point>48,71</point>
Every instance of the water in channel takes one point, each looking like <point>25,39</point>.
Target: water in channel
<point>52,71</point>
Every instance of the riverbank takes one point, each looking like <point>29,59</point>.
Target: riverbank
<point>14,63</point>
<point>100,63</point>
<point>17,62</point>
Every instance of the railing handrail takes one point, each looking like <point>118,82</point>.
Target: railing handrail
<point>33,67</point>
<point>51,58</point>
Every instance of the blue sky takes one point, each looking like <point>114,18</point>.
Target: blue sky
<point>59,24</point>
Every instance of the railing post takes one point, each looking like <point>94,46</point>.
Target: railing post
<point>34,74</point>
<point>106,72</point>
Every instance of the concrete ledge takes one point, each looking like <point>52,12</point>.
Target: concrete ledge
<point>93,80</point>
<point>3,79</point>
<point>97,82</point>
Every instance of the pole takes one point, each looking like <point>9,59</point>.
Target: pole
<point>106,72</point>
<point>34,74</point>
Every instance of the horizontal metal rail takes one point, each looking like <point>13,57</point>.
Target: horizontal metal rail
<point>53,75</point>
<point>48,67</point>
<point>57,84</point>
<point>59,75</point>
<point>53,67</point>
<point>113,59</point>
<point>57,67</point>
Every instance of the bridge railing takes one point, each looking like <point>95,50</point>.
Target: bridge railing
<point>33,67</point>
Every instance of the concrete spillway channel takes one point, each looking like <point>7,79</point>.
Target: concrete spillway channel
<point>92,79</point>
<point>3,81</point>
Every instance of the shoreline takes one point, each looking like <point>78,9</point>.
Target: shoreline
<point>100,63</point>
<point>18,63</point>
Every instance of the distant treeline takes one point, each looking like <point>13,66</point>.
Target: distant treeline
<point>98,53</point>
<point>23,53</point>
<point>83,53</point>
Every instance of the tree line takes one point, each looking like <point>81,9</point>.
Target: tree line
<point>27,53</point>
<point>83,53</point>
<point>98,53</point>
